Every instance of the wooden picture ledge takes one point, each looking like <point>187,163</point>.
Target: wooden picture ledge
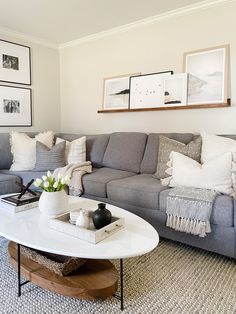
<point>203,106</point>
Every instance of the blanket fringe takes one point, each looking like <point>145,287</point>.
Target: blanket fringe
<point>188,225</point>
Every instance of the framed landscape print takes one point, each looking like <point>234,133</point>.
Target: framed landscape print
<point>15,63</point>
<point>175,90</point>
<point>146,91</point>
<point>15,106</point>
<point>208,74</point>
<point>116,92</point>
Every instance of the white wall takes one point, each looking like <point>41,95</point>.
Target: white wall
<point>45,87</point>
<point>152,48</point>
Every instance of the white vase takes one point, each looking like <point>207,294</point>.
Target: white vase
<point>52,204</point>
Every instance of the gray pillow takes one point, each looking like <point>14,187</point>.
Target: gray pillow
<point>49,159</point>
<point>167,145</point>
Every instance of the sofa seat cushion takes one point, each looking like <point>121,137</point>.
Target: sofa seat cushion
<point>95,183</point>
<point>26,176</point>
<point>141,190</point>
<point>222,212</point>
<point>8,184</point>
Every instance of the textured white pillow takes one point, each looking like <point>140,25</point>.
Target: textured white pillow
<point>23,149</point>
<point>213,175</point>
<point>75,151</point>
<point>214,146</point>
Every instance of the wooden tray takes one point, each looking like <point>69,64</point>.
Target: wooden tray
<point>62,224</point>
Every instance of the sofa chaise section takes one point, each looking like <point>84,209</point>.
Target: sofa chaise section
<point>8,183</point>
<point>25,176</point>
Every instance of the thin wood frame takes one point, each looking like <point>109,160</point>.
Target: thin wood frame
<point>114,78</point>
<point>225,71</point>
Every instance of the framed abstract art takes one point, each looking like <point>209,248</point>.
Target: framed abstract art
<point>207,75</point>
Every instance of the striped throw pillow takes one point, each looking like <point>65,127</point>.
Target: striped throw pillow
<point>49,159</point>
<point>75,151</point>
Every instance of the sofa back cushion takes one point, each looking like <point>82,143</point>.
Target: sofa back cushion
<point>150,158</point>
<point>125,151</point>
<point>95,146</point>
<point>5,151</point>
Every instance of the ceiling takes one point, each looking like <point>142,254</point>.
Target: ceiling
<point>61,21</point>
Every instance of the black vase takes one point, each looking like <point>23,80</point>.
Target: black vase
<point>101,217</point>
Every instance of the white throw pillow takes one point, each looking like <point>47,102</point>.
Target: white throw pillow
<point>75,151</point>
<point>214,146</point>
<point>23,149</point>
<point>213,175</point>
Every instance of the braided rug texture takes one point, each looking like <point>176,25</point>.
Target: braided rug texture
<point>173,279</point>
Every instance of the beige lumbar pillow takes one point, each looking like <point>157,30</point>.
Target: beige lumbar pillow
<point>167,145</point>
<point>214,174</point>
<point>23,149</point>
<point>75,151</point>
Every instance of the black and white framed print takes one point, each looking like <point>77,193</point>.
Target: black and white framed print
<point>146,91</point>
<point>116,92</point>
<point>208,75</point>
<point>15,106</point>
<point>15,63</point>
<point>175,90</point>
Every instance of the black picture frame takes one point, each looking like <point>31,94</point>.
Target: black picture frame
<point>15,63</point>
<point>145,92</point>
<point>15,106</point>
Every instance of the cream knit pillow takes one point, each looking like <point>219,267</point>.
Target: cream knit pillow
<point>23,149</point>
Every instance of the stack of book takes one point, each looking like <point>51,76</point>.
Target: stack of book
<point>14,204</point>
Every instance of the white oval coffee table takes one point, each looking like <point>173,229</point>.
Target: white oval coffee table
<point>30,228</point>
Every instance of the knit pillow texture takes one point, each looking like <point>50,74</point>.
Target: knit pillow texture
<point>49,159</point>
<point>167,145</point>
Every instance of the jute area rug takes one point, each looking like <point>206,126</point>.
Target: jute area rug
<point>172,279</point>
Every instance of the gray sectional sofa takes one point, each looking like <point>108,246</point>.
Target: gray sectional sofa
<point>123,168</point>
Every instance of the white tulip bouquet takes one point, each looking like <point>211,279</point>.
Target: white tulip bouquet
<point>51,184</point>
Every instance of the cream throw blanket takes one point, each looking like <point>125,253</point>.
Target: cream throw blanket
<point>75,172</point>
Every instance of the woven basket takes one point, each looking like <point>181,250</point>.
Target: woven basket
<point>59,264</point>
